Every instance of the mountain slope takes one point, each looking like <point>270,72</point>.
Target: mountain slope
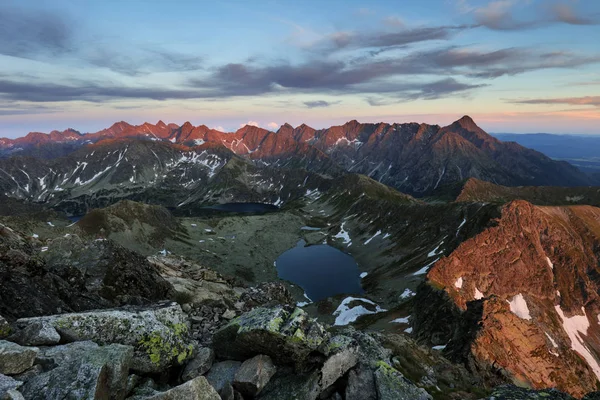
<point>525,295</point>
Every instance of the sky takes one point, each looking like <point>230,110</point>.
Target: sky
<point>512,65</point>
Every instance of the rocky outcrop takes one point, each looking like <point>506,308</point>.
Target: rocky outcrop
<point>288,337</point>
<point>253,375</point>
<point>81,370</point>
<point>15,359</point>
<point>158,334</point>
<point>196,389</point>
<point>534,281</point>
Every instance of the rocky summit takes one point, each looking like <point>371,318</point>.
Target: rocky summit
<point>146,262</point>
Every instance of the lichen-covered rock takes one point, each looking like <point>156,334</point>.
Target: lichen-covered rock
<point>5,328</point>
<point>253,375</point>
<point>81,370</point>
<point>337,365</point>
<point>267,294</point>
<point>361,384</point>
<point>392,385</point>
<point>287,337</point>
<point>289,385</point>
<point>222,373</point>
<point>196,389</point>
<point>39,333</point>
<point>199,365</point>
<point>8,384</point>
<point>14,358</point>
<point>511,392</point>
<point>159,334</point>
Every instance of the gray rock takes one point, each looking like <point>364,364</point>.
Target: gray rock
<point>8,384</point>
<point>392,385</point>
<point>14,358</point>
<point>337,365</point>
<point>361,384</point>
<point>39,333</point>
<point>227,393</point>
<point>229,314</point>
<point>30,373</point>
<point>196,389</point>
<point>292,386</point>
<point>5,328</point>
<point>159,334</point>
<point>81,370</point>
<point>13,394</point>
<point>253,375</point>
<point>222,373</point>
<point>287,337</point>
<point>199,365</point>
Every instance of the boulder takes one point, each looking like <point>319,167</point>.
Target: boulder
<point>158,334</point>
<point>199,365</point>
<point>40,333</point>
<point>222,373</point>
<point>5,328</point>
<point>8,384</point>
<point>392,385</point>
<point>290,385</point>
<point>14,358</point>
<point>81,370</point>
<point>196,389</point>
<point>344,358</point>
<point>253,375</point>
<point>511,392</point>
<point>361,384</point>
<point>288,337</point>
<point>267,294</point>
<point>13,394</point>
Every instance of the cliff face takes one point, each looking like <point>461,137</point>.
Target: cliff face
<point>536,278</point>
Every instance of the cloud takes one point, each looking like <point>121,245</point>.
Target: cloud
<point>420,91</point>
<point>393,21</point>
<point>249,123</point>
<point>566,14</point>
<point>272,125</point>
<point>502,15</point>
<point>218,128</point>
<point>364,12</point>
<point>572,101</point>
<point>317,103</point>
<point>27,33</point>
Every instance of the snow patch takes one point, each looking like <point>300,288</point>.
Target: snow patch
<point>345,236</point>
<point>402,320</point>
<point>424,270</point>
<point>440,348</point>
<point>459,282</point>
<point>407,293</point>
<point>345,315</point>
<point>518,306</point>
<point>549,262</point>
<point>50,224</point>
<point>551,340</point>
<point>44,248</point>
<point>35,236</point>
<point>478,295</point>
<point>408,330</point>
<point>575,326</point>
<point>373,237</point>
<point>363,275</point>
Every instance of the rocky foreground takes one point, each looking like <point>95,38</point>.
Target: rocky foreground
<point>92,320</point>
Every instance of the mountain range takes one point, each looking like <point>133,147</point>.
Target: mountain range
<point>417,159</point>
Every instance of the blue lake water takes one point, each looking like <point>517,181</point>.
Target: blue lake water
<point>253,208</point>
<point>321,270</point>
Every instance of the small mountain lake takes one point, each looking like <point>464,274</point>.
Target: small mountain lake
<point>246,208</point>
<point>321,270</point>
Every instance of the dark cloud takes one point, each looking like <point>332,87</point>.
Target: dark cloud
<point>318,103</point>
<point>395,93</point>
<point>572,101</point>
<point>30,33</point>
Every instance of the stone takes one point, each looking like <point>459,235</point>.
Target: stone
<point>290,385</point>
<point>287,337</point>
<point>229,314</point>
<point>186,308</point>
<point>222,373</point>
<point>337,365</point>
<point>14,358</point>
<point>40,333</point>
<point>253,375</point>
<point>158,334</point>
<point>361,384</point>
<point>8,384</point>
<point>392,385</point>
<point>227,393</point>
<point>511,392</point>
<point>199,365</point>
<point>5,328</point>
<point>196,389</point>
<point>13,394</point>
<point>81,370</point>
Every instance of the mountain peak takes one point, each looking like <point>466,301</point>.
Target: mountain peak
<point>467,123</point>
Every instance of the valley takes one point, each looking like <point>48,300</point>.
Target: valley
<point>454,277</point>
